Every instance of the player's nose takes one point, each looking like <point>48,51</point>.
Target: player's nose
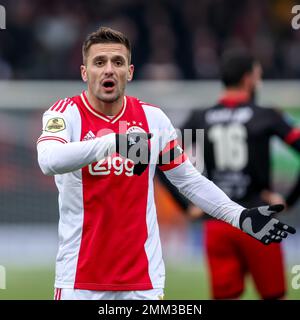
<point>108,70</point>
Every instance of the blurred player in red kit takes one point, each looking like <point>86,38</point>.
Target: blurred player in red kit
<point>237,135</point>
<point>103,146</point>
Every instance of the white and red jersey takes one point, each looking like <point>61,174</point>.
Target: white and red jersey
<point>108,231</point>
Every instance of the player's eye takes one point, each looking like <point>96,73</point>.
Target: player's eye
<point>99,63</point>
<point>119,63</point>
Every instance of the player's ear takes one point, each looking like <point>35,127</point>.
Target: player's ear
<point>247,80</point>
<point>130,72</point>
<point>83,73</point>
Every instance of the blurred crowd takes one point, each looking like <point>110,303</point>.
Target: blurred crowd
<point>171,39</point>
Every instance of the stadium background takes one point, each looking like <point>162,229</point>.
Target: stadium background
<point>176,52</point>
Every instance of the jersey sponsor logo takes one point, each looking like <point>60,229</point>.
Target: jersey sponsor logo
<point>55,125</point>
<point>114,165</point>
<point>2,17</point>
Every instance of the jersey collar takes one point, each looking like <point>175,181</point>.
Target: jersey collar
<point>100,114</point>
<point>234,99</point>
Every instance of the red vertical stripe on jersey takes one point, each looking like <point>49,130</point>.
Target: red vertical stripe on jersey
<point>55,105</point>
<point>112,255</point>
<point>57,294</point>
<point>65,106</point>
<point>58,290</point>
<point>61,105</point>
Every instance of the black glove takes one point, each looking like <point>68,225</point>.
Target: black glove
<point>134,146</point>
<point>258,223</point>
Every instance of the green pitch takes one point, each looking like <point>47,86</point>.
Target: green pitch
<point>185,282</point>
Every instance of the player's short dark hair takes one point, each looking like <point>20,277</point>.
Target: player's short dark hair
<point>234,65</point>
<point>105,35</point>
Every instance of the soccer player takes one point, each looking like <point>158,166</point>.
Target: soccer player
<point>237,135</point>
<point>103,146</point>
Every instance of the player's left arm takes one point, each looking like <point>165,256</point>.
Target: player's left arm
<point>282,127</point>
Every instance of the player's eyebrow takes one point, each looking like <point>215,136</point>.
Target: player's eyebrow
<point>99,57</point>
<point>119,57</point>
<point>104,57</point>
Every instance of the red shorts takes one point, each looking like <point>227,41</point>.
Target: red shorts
<point>232,254</point>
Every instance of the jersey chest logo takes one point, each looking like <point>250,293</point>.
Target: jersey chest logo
<point>112,165</point>
<point>115,164</point>
<point>135,127</point>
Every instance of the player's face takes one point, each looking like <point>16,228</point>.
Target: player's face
<point>107,71</point>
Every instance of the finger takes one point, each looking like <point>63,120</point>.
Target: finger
<point>266,240</point>
<point>284,234</point>
<point>271,239</point>
<point>285,227</point>
<point>275,238</point>
<point>278,232</point>
<point>276,207</point>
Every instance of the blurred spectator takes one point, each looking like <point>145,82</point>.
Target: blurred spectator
<point>6,71</point>
<point>171,39</point>
<point>291,56</point>
<point>206,62</point>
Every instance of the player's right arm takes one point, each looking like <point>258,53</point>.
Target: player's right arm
<point>58,154</point>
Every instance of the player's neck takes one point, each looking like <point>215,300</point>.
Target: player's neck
<point>236,92</point>
<point>107,108</point>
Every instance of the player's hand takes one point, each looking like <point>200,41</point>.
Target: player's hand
<point>134,146</point>
<point>259,223</point>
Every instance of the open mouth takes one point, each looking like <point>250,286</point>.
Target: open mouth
<point>108,84</point>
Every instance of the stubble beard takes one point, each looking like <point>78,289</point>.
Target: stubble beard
<point>110,99</point>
